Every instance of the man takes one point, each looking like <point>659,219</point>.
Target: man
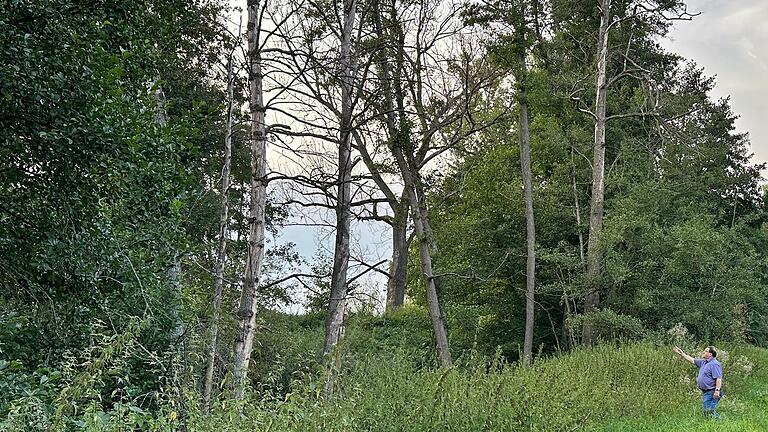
<point>710,379</point>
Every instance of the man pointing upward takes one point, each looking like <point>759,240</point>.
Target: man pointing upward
<point>710,379</point>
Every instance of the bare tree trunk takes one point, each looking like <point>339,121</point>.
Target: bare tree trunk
<point>577,211</point>
<point>248,303</point>
<point>334,320</point>
<point>423,233</point>
<point>530,262</point>
<point>397,272</point>
<point>594,255</point>
<point>393,95</point>
<point>221,255</point>
<point>426,245</point>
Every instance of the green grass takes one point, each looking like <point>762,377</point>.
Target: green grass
<point>631,388</point>
<point>634,387</point>
<point>745,408</point>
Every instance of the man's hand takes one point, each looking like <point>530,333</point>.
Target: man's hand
<point>716,394</point>
<point>680,352</point>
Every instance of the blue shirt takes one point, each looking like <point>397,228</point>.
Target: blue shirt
<point>709,371</point>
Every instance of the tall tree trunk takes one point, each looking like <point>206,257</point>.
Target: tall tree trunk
<point>248,303</point>
<point>426,241</point>
<point>399,137</point>
<point>594,255</point>
<point>334,320</point>
<point>426,245</point>
<point>221,254</point>
<point>398,270</point>
<point>393,96</point>
<point>530,228</point>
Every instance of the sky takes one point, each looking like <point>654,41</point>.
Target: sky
<point>730,40</point>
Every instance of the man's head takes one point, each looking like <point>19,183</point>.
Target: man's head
<point>709,352</point>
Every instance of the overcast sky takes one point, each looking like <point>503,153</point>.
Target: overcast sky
<point>730,40</point>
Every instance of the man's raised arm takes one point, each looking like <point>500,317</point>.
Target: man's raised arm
<point>684,355</point>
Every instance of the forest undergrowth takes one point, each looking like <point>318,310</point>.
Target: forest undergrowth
<point>388,383</point>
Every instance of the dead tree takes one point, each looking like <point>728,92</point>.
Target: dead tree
<point>334,318</point>
<point>428,108</point>
<point>660,13</point>
<point>256,224</point>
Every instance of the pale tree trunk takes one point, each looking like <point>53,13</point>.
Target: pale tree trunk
<point>221,254</point>
<point>174,274</point>
<point>334,320</point>
<point>398,270</point>
<point>426,245</point>
<point>255,258</point>
<point>530,228</point>
<point>594,255</point>
<point>161,114</point>
<point>424,236</point>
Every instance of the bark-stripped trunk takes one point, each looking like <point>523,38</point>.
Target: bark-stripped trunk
<point>221,254</point>
<point>248,303</point>
<point>398,270</point>
<point>530,228</point>
<point>334,320</point>
<point>594,255</point>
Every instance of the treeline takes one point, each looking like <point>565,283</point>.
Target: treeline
<point>552,177</point>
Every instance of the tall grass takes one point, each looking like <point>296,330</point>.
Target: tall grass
<point>387,385</point>
<point>583,389</point>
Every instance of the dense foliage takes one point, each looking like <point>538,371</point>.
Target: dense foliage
<point>107,114</point>
<point>684,211</point>
<point>112,124</point>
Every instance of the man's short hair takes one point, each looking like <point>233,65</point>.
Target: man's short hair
<point>712,351</point>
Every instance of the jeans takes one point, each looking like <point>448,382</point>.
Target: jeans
<point>710,403</point>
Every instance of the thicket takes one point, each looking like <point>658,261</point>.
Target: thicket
<point>111,125</point>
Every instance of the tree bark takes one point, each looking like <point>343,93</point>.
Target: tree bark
<point>530,263</point>
<point>426,245</point>
<point>248,303</point>
<point>221,254</point>
<point>174,272</point>
<point>423,233</point>
<point>334,321</point>
<point>398,269</point>
<point>594,255</point>
<point>395,117</point>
